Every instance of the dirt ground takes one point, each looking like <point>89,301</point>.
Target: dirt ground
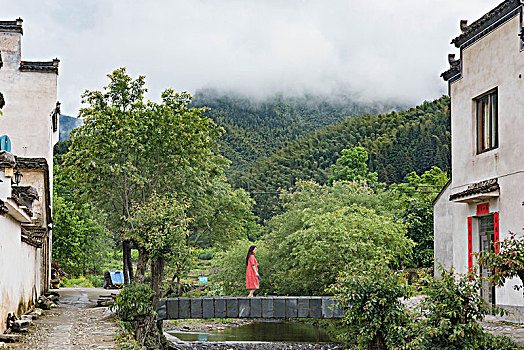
<point>76,324</point>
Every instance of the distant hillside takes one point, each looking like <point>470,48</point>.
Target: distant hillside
<point>398,143</point>
<point>67,124</point>
<point>256,129</point>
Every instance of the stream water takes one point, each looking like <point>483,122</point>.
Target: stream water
<point>287,332</point>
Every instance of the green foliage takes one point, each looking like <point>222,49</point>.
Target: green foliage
<point>257,128</point>
<point>452,308</point>
<point>127,148</point>
<point>81,242</point>
<point>374,314</point>
<point>351,166</point>
<point>417,196</point>
<point>507,262</point>
<point>133,304</point>
<point>160,226</point>
<point>74,282</point>
<point>230,267</point>
<point>397,144</point>
<point>322,229</point>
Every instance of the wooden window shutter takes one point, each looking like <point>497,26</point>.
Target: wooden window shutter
<point>496,231</point>
<point>470,244</point>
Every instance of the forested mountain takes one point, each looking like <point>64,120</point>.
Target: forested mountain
<point>257,128</point>
<point>397,143</point>
<point>67,124</point>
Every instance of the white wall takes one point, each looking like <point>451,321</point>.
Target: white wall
<point>20,263</point>
<point>495,61</point>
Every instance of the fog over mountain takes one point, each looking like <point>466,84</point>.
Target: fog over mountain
<point>372,50</point>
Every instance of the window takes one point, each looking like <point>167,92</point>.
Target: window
<point>487,120</point>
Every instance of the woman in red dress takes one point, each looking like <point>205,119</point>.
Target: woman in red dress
<point>252,276</point>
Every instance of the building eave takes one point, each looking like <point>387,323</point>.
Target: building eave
<point>40,67</point>
<point>487,22</point>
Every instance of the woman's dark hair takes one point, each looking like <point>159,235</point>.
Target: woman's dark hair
<point>249,253</point>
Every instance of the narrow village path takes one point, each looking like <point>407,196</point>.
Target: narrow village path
<point>75,325</point>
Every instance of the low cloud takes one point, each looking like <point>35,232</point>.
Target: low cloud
<point>373,50</point>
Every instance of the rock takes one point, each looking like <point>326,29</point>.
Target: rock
<point>18,325</point>
<point>44,303</point>
<point>9,338</point>
<point>27,317</point>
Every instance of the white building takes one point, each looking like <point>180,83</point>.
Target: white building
<point>484,201</point>
<point>28,131</point>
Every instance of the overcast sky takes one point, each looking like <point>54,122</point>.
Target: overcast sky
<point>377,50</point>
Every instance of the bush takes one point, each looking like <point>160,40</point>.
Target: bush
<point>452,309</point>
<point>374,313</point>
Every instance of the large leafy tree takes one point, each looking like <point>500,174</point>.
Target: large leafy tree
<point>127,149</point>
<point>321,230</point>
<point>351,166</point>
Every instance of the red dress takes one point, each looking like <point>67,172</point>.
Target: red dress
<point>251,277</point>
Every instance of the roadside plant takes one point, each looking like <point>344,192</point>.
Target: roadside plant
<point>451,313</point>
<point>137,315</point>
<point>371,294</point>
<point>506,260</point>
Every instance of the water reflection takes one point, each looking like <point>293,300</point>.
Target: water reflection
<point>261,331</point>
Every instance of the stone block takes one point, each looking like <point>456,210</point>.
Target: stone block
<point>10,338</point>
<point>172,308</point>
<point>303,307</point>
<point>196,307</point>
<point>256,308</point>
<point>315,307</point>
<point>279,307</point>
<point>208,308</point>
<point>243,307</point>
<point>220,307</point>
<point>27,317</point>
<point>327,307</point>
<point>162,310</point>
<point>184,308</point>
<point>19,324</point>
<point>338,312</point>
<point>291,307</point>
<point>267,308</point>
<point>232,307</point>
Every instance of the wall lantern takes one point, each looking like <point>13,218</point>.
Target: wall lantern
<point>18,177</point>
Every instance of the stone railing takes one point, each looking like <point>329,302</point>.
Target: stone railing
<point>244,307</point>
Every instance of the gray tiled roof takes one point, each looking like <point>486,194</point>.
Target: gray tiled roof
<point>486,21</point>
<point>27,66</point>
<point>12,26</point>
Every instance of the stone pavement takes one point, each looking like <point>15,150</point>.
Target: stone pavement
<point>514,331</point>
<point>75,325</point>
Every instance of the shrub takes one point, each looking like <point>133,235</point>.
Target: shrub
<point>451,312</point>
<point>137,316</point>
<point>374,313</point>
<point>506,260</point>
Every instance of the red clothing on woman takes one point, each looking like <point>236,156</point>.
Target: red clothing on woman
<point>251,277</point>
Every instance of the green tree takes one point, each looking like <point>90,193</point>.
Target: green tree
<point>127,149</point>
<point>351,166</point>
<point>81,241</point>
<point>321,230</point>
<point>418,195</point>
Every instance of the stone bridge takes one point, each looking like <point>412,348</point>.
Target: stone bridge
<point>244,307</point>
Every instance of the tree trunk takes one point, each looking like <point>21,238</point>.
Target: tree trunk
<point>157,274</point>
<point>129,262</point>
<point>128,265</point>
<point>141,265</point>
<point>124,258</point>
